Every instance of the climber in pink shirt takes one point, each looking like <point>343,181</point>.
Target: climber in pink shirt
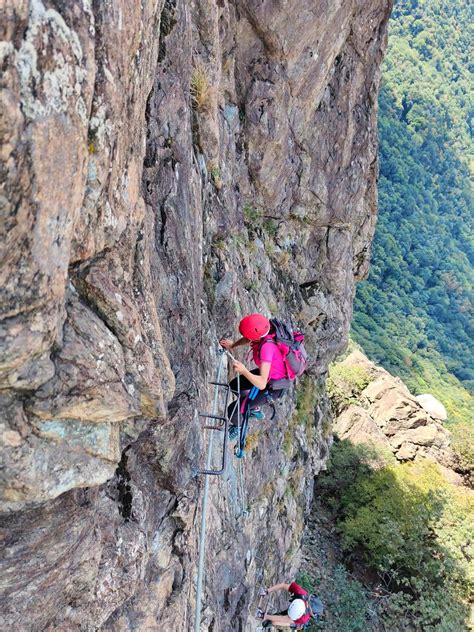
<point>270,376</point>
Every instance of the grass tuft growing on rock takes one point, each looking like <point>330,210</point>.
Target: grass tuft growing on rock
<point>306,399</point>
<point>252,215</point>
<point>201,90</point>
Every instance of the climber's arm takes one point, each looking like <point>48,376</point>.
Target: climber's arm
<point>279,587</point>
<point>280,620</point>
<point>260,381</point>
<point>228,344</point>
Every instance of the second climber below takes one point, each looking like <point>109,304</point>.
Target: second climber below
<point>270,376</point>
<point>298,612</point>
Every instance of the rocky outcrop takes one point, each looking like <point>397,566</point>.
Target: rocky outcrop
<point>388,415</point>
<point>166,167</point>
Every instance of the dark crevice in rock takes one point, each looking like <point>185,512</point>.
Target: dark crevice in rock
<point>163,223</point>
<point>167,23</point>
<point>309,289</point>
<point>240,608</point>
<point>151,148</point>
<point>125,495</point>
<point>308,284</point>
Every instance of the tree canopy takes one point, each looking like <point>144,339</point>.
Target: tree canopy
<point>414,314</point>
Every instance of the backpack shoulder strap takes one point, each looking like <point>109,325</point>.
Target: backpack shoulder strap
<point>265,339</point>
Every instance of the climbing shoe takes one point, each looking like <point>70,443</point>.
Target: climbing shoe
<point>259,614</point>
<point>233,432</point>
<point>257,413</point>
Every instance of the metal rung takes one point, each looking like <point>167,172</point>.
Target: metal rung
<point>223,427</point>
<point>220,471</point>
<point>211,416</point>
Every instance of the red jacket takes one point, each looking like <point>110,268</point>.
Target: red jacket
<point>296,590</point>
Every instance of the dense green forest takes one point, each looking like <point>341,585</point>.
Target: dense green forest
<point>414,315</point>
<point>405,532</point>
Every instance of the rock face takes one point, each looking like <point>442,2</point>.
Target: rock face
<point>388,415</point>
<point>167,167</point>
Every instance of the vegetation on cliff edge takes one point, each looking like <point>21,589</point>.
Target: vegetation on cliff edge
<point>411,528</point>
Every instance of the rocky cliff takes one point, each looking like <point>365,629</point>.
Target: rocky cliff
<point>375,407</point>
<point>168,166</point>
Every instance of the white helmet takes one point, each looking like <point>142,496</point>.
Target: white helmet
<point>297,609</point>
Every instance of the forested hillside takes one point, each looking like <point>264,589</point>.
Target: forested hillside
<point>414,315</point>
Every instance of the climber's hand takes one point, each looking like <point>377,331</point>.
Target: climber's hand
<point>239,367</point>
<point>226,343</point>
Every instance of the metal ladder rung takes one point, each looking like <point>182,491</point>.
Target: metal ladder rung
<point>222,427</point>
<point>211,416</point>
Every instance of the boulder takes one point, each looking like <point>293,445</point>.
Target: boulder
<point>357,425</point>
<point>432,406</point>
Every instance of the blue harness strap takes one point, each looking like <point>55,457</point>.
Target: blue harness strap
<point>253,393</point>
<point>239,449</point>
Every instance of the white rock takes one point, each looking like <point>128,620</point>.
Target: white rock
<point>432,406</point>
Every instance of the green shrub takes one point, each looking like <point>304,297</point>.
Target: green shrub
<point>252,215</point>
<point>411,525</point>
<point>435,610</point>
<point>350,605</point>
<point>463,444</point>
<point>347,463</point>
<point>345,384</point>
<point>270,227</point>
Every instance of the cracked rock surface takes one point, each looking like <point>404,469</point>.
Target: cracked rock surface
<point>166,167</point>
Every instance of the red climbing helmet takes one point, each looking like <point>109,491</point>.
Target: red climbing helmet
<point>254,326</point>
